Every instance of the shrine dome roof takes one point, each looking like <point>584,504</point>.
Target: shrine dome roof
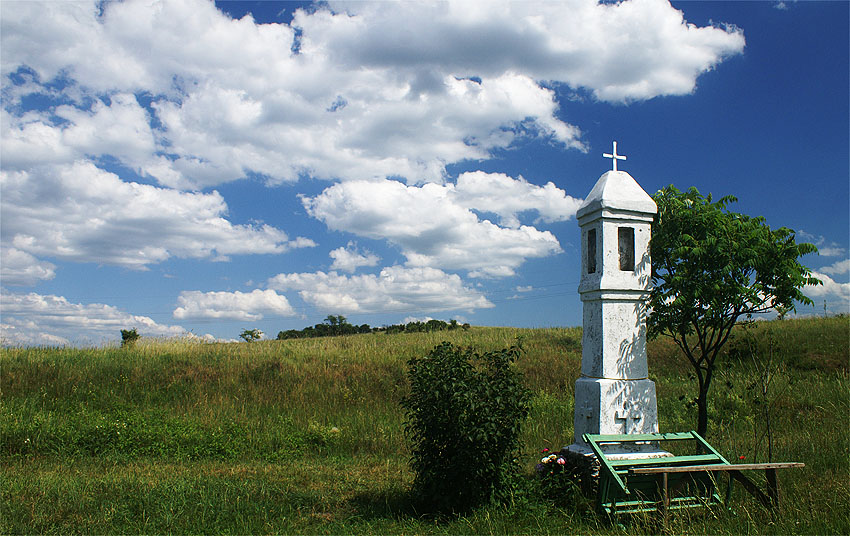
<point>617,190</point>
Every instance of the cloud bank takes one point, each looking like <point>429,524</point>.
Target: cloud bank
<point>82,213</point>
<point>237,305</point>
<point>357,90</point>
<point>439,226</point>
<point>48,320</point>
<point>395,290</point>
<point>836,294</point>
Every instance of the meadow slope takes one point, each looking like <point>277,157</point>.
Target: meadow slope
<point>307,436</point>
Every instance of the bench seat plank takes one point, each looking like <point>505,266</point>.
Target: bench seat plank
<point>713,468</point>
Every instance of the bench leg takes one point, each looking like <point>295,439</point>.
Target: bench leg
<point>728,501</point>
<point>664,505</point>
<point>751,487</point>
<point>772,487</point>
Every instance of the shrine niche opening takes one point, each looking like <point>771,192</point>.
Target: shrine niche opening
<point>591,251</point>
<point>626,246</point>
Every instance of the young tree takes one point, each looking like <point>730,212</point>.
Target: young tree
<point>251,335</point>
<point>129,337</point>
<point>711,266</point>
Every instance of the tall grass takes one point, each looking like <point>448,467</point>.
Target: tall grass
<point>306,435</point>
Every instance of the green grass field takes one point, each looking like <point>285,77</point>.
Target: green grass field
<point>307,436</point>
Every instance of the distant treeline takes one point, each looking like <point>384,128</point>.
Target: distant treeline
<point>339,325</point>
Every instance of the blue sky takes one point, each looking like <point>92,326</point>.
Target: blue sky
<point>186,167</point>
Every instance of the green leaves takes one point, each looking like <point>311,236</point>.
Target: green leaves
<point>709,267</point>
<point>251,335</point>
<point>464,415</point>
<point>710,261</point>
<point>129,337</point>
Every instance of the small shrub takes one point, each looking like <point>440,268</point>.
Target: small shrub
<point>464,416</point>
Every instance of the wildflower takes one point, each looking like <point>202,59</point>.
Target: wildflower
<point>544,451</point>
<point>551,457</point>
<point>741,457</point>
<point>561,461</point>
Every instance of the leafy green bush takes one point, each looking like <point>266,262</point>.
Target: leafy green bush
<point>464,416</point>
<point>129,337</point>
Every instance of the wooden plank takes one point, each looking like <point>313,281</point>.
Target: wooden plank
<point>713,468</point>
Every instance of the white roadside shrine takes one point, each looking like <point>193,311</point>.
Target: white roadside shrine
<point>614,395</point>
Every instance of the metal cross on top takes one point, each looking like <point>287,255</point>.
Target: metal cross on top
<point>614,156</point>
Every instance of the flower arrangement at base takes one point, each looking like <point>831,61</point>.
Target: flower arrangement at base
<point>558,479</point>
<point>550,464</point>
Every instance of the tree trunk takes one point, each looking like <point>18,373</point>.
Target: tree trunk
<point>702,409</point>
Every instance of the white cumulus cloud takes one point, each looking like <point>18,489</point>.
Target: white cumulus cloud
<point>836,294</point>
<point>829,287</point>
<point>83,213</point>
<point>35,319</point>
<point>629,50</point>
<point>20,268</point>
<point>349,259</point>
<point>508,197</point>
<point>435,225</point>
<point>825,248</point>
<point>65,133</point>
<point>831,251</point>
<point>837,268</point>
<point>237,305</point>
<point>395,289</point>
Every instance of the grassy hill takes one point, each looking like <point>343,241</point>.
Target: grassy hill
<point>306,436</point>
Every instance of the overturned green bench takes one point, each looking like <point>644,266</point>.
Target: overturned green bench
<point>634,484</point>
